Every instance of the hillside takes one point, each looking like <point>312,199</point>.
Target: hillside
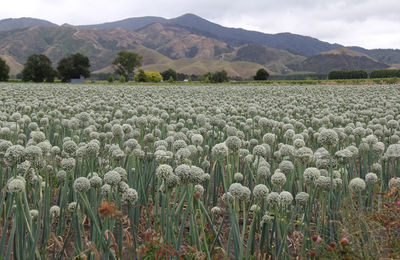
<point>56,42</point>
<point>294,43</point>
<point>15,66</point>
<point>285,41</point>
<point>198,44</point>
<point>275,60</point>
<point>339,59</point>
<point>130,24</point>
<point>23,23</point>
<point>101,47</point>
<point>177,42</point>
<point>388,56</point>
<point>191,66</point>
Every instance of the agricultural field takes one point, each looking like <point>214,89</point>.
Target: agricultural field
<point>199,172</point>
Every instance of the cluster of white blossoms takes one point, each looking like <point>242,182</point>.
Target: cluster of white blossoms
<point>263,149</point>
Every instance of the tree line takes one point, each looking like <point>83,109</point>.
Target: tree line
<point>362,74</point>
<point>39,68</point>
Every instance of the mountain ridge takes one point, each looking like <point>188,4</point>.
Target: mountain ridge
<point>187,38</point>
<point>9,24</point>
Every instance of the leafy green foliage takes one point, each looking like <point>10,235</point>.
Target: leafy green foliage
<point>219,76</point>
<point>4,70</point>
<point>141,76</point>
<point>110,79</point>
<point>73,67</point>
<point>169,73</point>
<point>153,76</point>
<point>122,79</point>
<point>208,76</point>
<point>148,76</point>
<point>347,74</point>
<point>299,76</point>
<point>392,73</point>
<point>261,74</point>
<point>126,62</point>
<point>38,68</point>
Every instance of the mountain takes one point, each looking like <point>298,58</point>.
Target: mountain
<point>130,24</point>
<point>339,59</point>
<point>177,42</point>
<point>56,42</point>
<point>188,43</point>
<point>22,23</point>
<point>296,44</point>
<point>101,47</point>
<point>15,66</point>
<point>388,56</point>
<point>304,45</point>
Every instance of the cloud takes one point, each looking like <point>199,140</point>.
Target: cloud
<point>367,23</point>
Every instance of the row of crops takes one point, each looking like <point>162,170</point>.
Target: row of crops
<point>199,172</point>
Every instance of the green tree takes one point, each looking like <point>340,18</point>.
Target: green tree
<point>141,76</point>
<point>171,79</point>
<point>208,76</point>
<point>261,74</point>
<point>347,74</point>
<point>385,73</point>
<point>73,67</point>
<point>153,76</point>
<point>4,70</point>
<point>37,68</point>
<point>148,76</point>
<point>219,76</point>
<point>122,79</point>
<point>125,63</point>
<point>169,73</point>
<point>110,79</point>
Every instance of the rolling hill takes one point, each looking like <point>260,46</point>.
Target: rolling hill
<point>275,60</point>
<point>339,59</point>
<point>388,56</point>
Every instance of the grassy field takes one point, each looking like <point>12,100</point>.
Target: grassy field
<point>172,171</point>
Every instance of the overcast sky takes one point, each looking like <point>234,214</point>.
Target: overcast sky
<point>366,23</point>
